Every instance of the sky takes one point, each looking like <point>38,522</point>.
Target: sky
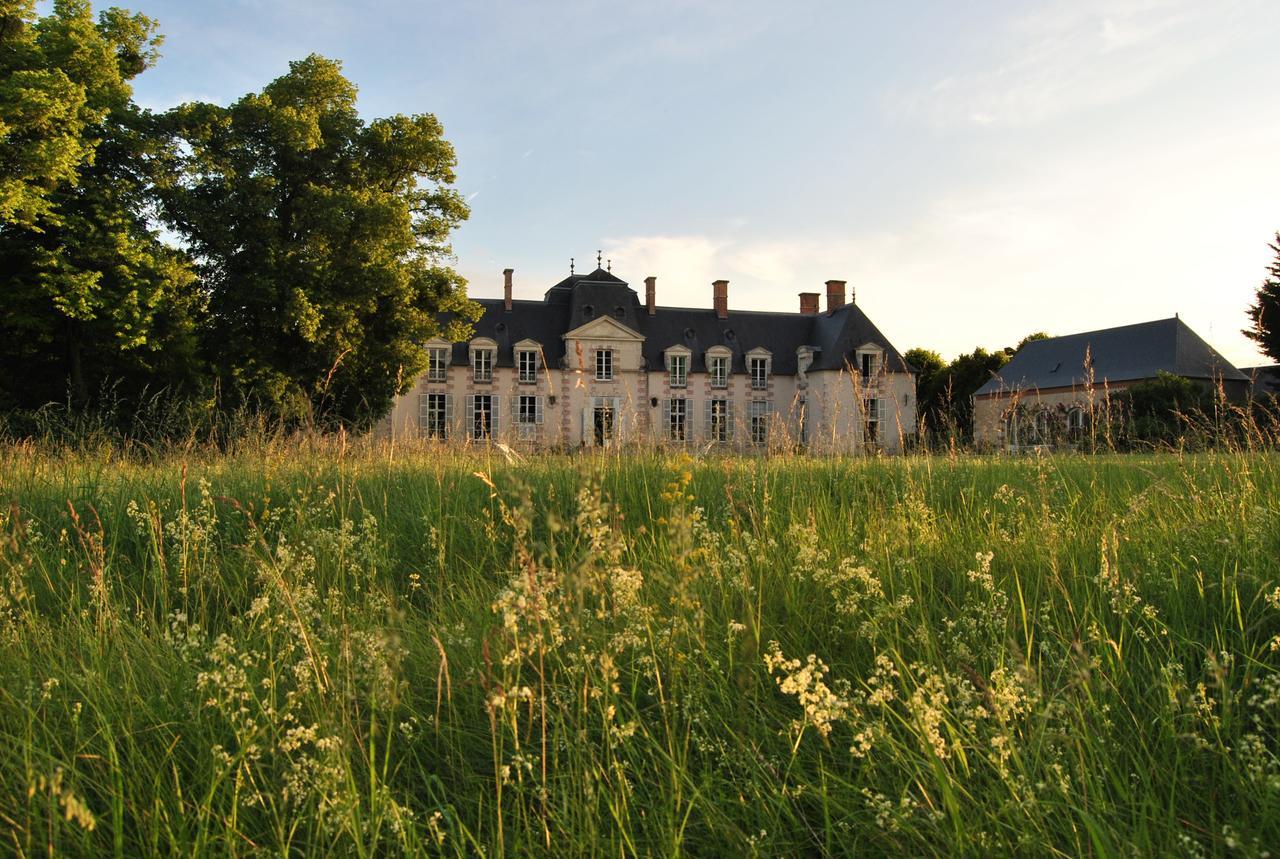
<point>976,171</point>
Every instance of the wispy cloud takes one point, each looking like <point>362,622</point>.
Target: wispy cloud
<point>1069,56</point>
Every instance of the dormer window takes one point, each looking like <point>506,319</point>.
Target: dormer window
<point>718,367</point>
<point>717,358</point>
<point>870,361</point>
<point>437,363</point>
<point>758,367</point>
<point>678,368</point>
<point>527,366</point>
<point>482,365</point>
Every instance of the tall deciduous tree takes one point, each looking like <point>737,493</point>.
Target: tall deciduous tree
<point>1264,314</point>
<point>91,296</point>
<point>322,243</point>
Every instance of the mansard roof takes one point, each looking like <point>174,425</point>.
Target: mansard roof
<point>578,299</point>
<point>1124,354</point>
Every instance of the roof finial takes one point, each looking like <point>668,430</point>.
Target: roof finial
<point>609,263</point>
<point>598,255</point>
<point>570,265</point>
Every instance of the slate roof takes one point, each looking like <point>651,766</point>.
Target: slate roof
<point>1126,353</point>
<point>579,298</point>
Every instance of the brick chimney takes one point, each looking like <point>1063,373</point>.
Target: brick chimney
<point>835,295</point>
<point>809,303</point>
<point>506,287</point>
<point>720,297</point>
<point>651,294</point>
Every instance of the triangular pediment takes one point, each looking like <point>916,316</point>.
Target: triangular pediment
<point>604,328</point>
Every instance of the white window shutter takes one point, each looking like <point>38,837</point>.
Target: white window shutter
<point>471,416</point>
<point>707,411</point>
<point>728,419</point>
<point>666,419</point>
<point>538,409</point>
<point>448,412</point>
<point>494,417</point>
<point>588,434</point>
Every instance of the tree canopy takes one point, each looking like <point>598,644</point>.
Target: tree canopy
<point>320,240</point>
<point>93,298</point>
<point>1264,313</point>
<point>305,250</point>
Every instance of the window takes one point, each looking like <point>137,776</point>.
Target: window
<point>603,419</point>
<point>759,368</point>
<point>528,409</point>
<point>760,410</point>
<point>679,368</point>
<point>1075,423</point>
<point>719,369</point>
<point>433,415</point>
<point>1011,429</point>
<point>719,420</point>
<point>873,411</point>
<point>437,363</point>
<point>678,419</point>
<point>604,365</point>
<point>1042,427</point>
<point>869,363</point>
<point>482,365</point>
<point>483,416</point>
<point>527,364</point>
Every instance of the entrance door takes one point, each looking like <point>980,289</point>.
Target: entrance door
<point>602,423</point>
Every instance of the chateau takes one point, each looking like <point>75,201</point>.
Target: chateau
<point>593,365</point>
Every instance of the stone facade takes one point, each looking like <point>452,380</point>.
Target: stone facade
<point>633,397</point>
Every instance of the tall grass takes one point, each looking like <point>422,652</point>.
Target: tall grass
<point>293,650</point>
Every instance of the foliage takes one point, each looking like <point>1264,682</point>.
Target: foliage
<point>927,365</point>
<point>313,649</point>
<point>320,239</point>
<point>93,298</point>
<point>1158,410</point>
<point>1264,313</point>
<point>944,397</point>
<point>1035,335</point>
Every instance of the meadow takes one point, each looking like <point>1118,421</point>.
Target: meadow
<point>314,649</point>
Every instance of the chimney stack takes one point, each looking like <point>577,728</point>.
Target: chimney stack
<point>651,294</point>
<point>720,297</point>
<point>506,287</point>
<point>835,295</point>
<point>809,303</point>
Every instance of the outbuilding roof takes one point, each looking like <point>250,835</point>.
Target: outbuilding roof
<point>1123,354</point>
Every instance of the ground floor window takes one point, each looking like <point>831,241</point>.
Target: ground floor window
<point>760,412</point>
<point>678,419</point>
<point>719,420</point>
<point>527,409</point>
<point>483,415</point>
<point>433,416</point>
<point>1043,427</point>
<point>1075,423</point>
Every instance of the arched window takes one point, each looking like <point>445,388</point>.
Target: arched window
<point>1075,423</point>
<point>1043,428</point>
